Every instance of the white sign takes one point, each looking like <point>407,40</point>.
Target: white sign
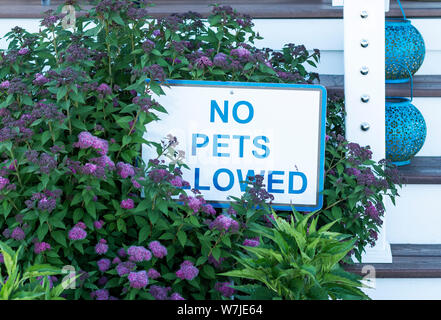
<point>232,130</point>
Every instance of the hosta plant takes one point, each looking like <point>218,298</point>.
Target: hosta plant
<point>34,283</point>
<point>297,261</point>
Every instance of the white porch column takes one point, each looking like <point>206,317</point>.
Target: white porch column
<point>364,58</point>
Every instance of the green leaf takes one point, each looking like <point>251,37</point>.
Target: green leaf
<point>182,237</point>
<point>60,237</point>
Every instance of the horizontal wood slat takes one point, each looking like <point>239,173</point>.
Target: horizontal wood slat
<point>422,170</point>
<point>424,86</point>
<point>409,261</point>
<point>255,8</point>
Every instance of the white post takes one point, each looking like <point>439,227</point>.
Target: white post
<point>364,58</point>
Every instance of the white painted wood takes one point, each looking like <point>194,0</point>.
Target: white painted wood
<point>339,3</point>
<point>405,289</point>
<point>416,218</point>
<point>372,85</point>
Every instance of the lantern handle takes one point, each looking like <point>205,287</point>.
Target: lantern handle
<point>402,10</point>
<point>411,80</point>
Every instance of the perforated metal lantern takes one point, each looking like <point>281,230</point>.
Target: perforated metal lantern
<point>405,130</point>
<point>404,46</point>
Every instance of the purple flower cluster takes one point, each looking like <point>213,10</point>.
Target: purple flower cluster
<point>158,250</point>
<point>125,170</point>
<point>124,268</point>
<point>98,224</point>
<point>78,232</point>
<point>138,280</point>
<point>46,201</point>
<point>176,296</point>
<point>159,293</point>
<point>203,62</point>
<point>148,46</point>
<point>187,271</point>
<point>139,254</point>
<point>371,211</point>
<point>104,89</point>
<point>258,192</point>
<point>224,223</point>
<point>103,264</point>
<point>87,140</point>
<point>3,182</point>
<point>358,154</point>
<point>41,247</point>
<point>100,294</point>
<point>101,247</point>
<point>50,18</point>
<point>18,234</point>
<point>251,242</point>
<point>40,80</point>
<point>153,274</point>
<point>224,288</point>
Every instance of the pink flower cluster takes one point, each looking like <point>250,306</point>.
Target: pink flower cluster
<point>87,140</point>
<point>224,223</point>
<point>159,251</point>
<point>127,204</point>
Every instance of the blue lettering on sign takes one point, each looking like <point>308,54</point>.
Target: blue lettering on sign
<point>250,112</point>
<point>291,182</point>
<point>196,181</point>
<point>271,181</point>
<point>216,179</point>
<point>223,115</point>
<point>215,107</point>
<point>261,146</point>
<point>196,145</point>
<point>241,140</point>
<point>217,145</point>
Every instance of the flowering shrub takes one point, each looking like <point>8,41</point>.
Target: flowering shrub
<point>355,185</point>
<point>74,106</point>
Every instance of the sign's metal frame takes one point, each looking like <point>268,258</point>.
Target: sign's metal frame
<point>277,86</point>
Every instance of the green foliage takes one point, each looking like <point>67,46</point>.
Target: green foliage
<point>33,284</point>
<point>298,262</point>
<point>356,187</point>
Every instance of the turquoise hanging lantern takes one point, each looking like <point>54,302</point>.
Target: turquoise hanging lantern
<point>404,46</point>
<point>405,129</point>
